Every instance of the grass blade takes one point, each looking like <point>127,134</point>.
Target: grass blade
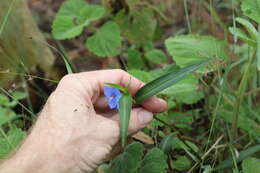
<point>6,17</point>
<point>258,49</point>
<point>165,81</point>
<point>125,107</point>
<point>68,66</point>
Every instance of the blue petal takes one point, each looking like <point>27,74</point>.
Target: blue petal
<point>116,92</point>
<point>108,91</point>
<point>112,104</point>
<point>117,106</point>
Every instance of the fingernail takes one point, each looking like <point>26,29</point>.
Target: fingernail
<point>145,117</point>
<point>161,101</point>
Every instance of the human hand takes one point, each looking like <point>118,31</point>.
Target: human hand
<point>76,129</point>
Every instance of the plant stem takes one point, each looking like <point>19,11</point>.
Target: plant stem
<point>187,15</point>
<point>240,95</point>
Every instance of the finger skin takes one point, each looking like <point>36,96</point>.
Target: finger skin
<point>135,123</point>
<point>100,78</point>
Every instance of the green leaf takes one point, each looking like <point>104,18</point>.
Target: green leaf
<point>17,95</point>
<point>141,75</point>
<point>242,35</point>
<point>258,50</point>
<point>249,27</point>
<point>182,163</point>
<point>251,8</point>
<point>106,41</point>
<point>4,100</point>
<point>125,107</point>
<point>6,17</point>
<point>154,162</point>
<point>6,115</point>
<point>156,56</point>
<point>13,139</point>
<point>139,26</point>
<point>168,142</point>
<point>134,59</point>
<point>129,161</point>
<point>187,84</point>
<point>242,155</point>
<point>165,81</point>
<point>251,165</point>
<point>207,169</point>
<point>190,49</point>
<point>73,16</point>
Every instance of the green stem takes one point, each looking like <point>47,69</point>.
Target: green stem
<point>240,95</point>
<point>187,15</point>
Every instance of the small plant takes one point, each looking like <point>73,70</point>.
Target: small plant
<point>10,133</point>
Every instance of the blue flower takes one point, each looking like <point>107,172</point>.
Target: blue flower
<point>113,96</point>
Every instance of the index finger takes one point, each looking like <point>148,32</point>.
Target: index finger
<point>97,80</point>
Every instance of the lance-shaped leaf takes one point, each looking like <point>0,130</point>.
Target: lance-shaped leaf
<point>125,107</point>
<point>249,27</point>
<point>165,81</point>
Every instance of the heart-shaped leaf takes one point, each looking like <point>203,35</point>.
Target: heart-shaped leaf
<point>73,16</point>
<point>106,41</point>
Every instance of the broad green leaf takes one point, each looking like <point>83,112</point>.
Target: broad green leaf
<point>154,162</point>
<point>156,56</point>
<point>129,161</point>
<point>6,115</point>
<point>73,16</point>
<point>17,95</point>
<point>186,85</point>
<point>141,75</point>
<point>242,35</point>
<point>251,165</point>
<point>147,46</point>
<point>189,97</point>
<point>125,107</point>
<point>4,100</point>
<point>9,144</point>
<point>139,26</point>
<point>134,59</point>
<point>249,27</point>
<point>251,8</point>
<point>168,142</point>
<point>244,121</point>
<point>165,81</point>
<point>106,41</point>
<point>182,163</point>
<point>190,49</point>
<point>242,155</point>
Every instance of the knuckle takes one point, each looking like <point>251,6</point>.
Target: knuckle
<point>120,71</point>
<point>67,80</point>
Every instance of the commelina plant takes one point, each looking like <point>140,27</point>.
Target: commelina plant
<point>123,102</point>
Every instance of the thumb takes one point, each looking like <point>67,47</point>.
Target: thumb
<point>139,119</point>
